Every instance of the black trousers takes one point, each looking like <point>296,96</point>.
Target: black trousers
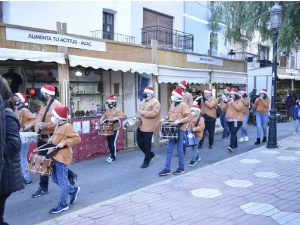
<point>112,144</point>
<point>233,132</point>
<point>44,180</point>
<point>144,141</point>
<point>210,126</point>
<point>3,199</point>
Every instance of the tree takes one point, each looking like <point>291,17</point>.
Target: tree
<point>243,19</point>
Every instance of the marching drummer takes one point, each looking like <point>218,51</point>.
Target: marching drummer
<point>64,137</point>
<point>180,114</point>
<point>44,127</point>
<point>149,113</point>
<point>187,97</point>
<point>113,115</point>
<point>26,119</point>
<point>197,125</point>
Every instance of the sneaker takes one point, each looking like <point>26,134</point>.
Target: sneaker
<point>210,147</point>
<point>110,160</point>
<point>246,138</point>
<point>60,208</point>
<point>235,149</point>
<point>27,181</point>
<point>230,149</point>
<point>242,139</point>
<point>264,139</point>
<point>74,195</point>
<point>145,165</point>
<point>194,163</point>
<point>40,192</point>
<point>179,171</point>
<point>164,172</point>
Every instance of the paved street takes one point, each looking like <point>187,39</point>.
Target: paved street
<point>100,182</point>
<point>257,187</point>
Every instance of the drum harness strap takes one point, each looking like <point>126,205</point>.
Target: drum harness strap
<point>44,116</point>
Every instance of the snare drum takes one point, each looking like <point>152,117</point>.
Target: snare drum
<point>105,129</point>
<point>40,165</point>
<point>169,130</point>
<point>28,137</point>
<point>132,124</point>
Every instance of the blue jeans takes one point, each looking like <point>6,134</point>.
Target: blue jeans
<point>24,151</point>
<point>297,125</point>
<point>171,144</point>
<point>60,177</point>
<point>261,124</point>
<point>223,121</point>
<point>244,131</point>
<point>195,152</point>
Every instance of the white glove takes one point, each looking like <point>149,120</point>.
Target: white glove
<point>60,145</point>
<point>177,121</point>
<point>42,125</point>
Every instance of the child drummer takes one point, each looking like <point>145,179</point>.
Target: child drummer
<point>113,115</point>
<point>64,137</point>
<point>180,114</point>
<point>197,125</point>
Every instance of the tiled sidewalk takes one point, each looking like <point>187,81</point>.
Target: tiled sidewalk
<point>258,187</point>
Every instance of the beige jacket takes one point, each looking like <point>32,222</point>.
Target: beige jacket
<point>188,99</point>
<point>181,112</point>
<point>149,113</point>
<point>222,104</point>
<point>246,102</point>
<point>66,135</point>
<point>209,107</point>
<point>26,118</point>
<point>114,114</point>
<point>197,128</point>
<point>49,125</point>
<point>235,110</point>
<point>262,105</point>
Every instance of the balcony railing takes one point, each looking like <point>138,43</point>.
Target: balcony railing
<point>168,38</point>
<point>113,36</point>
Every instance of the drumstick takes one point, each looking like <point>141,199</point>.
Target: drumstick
<point>43,149</point>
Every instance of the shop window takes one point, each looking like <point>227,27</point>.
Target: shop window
<point>108,26</point>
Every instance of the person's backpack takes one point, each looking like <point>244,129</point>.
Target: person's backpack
<point>218,111</point>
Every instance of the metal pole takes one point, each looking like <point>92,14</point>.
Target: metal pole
<point>272,140</point>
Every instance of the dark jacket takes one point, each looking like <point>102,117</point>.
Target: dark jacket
<point>2,134</point>
<point>11,175</point>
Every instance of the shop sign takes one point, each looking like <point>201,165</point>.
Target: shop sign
<point>204,60</point>
<point>13,34</point>
<point>292,71</point>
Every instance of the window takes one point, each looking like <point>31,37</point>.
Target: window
<point>108,26</point>
<point>263,52</point>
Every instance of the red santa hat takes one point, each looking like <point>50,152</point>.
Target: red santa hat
<point>183,84</point>
<point>265,91</point>
<point>178,92</point>
<point>61,112</point>
<point>112,98</point>
<point>233,91</point>
<point>195,108</point>
<point>48,89</point>
<point>207,91</point>
<point>21,96</point>
<point>149,90</point>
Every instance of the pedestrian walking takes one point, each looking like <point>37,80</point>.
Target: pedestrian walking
<point>223,99</point>
<point>297,116</point>
<point>246,111</point>
<point>209,112</point>
<point>187,97</point>
<point>234,114</point>
<point>197,125</point>
<point>27,120</point>
<point>180,114</point>
<point>11,176</point>
<point>149,113</point>
<point>113,116</point>
<point>45,128</point>
<point>64,138</point>
<point>261,105</point>
<point>290,102</point>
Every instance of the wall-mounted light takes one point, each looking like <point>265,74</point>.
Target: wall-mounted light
<point>78,73</point>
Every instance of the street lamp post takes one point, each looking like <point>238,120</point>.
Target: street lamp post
<point>276,14</point>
